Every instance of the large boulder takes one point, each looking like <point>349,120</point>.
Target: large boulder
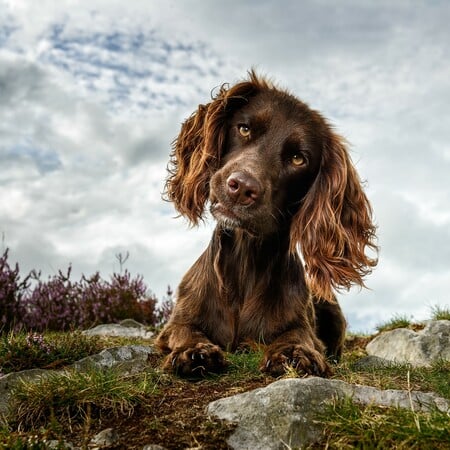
<point>285,413</point>
<point>420,348</point>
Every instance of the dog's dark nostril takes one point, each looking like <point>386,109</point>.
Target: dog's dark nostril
<point>233,184</point>
<point>243,188</point>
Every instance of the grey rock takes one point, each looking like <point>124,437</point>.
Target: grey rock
<point>106,438</point>
<point>284,414</point>
<point>129,359</point>
<point>116,329</point>
<point>131,323</point>
<point>153,447</point>
<point>420,348</point>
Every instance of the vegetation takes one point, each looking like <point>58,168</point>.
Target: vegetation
<point>350,426</point>
<point>61,304</point>
<point>150,406</point>
<point>21,351</point>
<point>398,321</point>
<point>153,406</point>
<point>440,312</point>
<point>74,396</point>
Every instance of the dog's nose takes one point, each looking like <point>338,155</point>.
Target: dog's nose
<point>243,188</point>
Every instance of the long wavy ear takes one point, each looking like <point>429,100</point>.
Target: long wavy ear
<point>334,225</point>
<point>195,155</point>
<point>197,149</point>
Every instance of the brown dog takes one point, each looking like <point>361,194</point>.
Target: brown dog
<point>278,180</point>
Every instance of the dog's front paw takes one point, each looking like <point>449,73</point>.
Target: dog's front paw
<point>303,359</point>
<point>196,361</point>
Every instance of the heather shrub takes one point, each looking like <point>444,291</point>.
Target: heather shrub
<point>60,303</point>
<point>12,290</point>
<point>121,298</point>
<point>52,304</point>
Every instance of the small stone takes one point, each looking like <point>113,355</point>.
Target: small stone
<point>106,438</point>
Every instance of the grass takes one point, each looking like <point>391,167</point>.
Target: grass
<point>350,426</point>
<point>79,396</point>
<point>403,321</point>
<point>154,407</point>
<point>21,351</point>
<point>245,365</point>
<point>440,312</point>
<point>398,321</point>
<point>394,376</point>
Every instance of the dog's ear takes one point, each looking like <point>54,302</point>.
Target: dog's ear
<point>197,150</point>
<point>195,155</point>
<point>334,224</point>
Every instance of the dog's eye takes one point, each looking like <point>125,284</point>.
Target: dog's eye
<point>298,160</point>
<point>244,130</point>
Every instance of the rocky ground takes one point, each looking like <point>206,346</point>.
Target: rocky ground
<point>244,409</point>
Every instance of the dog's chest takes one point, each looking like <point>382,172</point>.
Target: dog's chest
<point>248,320</point>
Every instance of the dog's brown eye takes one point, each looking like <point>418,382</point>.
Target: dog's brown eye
<point>244,130</point>
<point>298,160</point>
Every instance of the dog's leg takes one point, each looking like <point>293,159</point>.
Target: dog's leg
<point>330,327</point>
<point>299,349</point>
<point>191,353</point>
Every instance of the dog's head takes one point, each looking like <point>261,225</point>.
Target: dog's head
<point>267,162</point>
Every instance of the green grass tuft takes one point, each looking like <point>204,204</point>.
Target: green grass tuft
<point>440,312</point>
<point>73,396</point>
<point>398,321</point>
<point>244,365</point>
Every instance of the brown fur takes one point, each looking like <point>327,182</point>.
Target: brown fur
<point>250,283</point>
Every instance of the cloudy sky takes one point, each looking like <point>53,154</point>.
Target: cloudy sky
<point>93,92</point>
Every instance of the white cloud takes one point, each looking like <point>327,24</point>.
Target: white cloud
<point>92,94</point>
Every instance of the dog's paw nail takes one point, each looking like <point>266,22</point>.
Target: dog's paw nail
<point>202,356</point>
<point>174,360</point>
<point>268,363</point>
